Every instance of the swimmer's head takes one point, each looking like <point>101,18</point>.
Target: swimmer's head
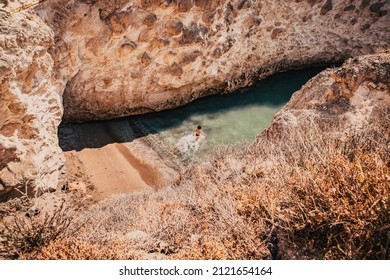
<point>199,127</point>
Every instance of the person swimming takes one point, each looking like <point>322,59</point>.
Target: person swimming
<point>198,132</point>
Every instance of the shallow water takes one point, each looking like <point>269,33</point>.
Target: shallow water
<point>227,119</point>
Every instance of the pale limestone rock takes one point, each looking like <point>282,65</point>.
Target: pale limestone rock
<point>115,58</point>
<point>30,106</point>
<point>121,57</point>
<point>343,100</point>
<point>137,235</point>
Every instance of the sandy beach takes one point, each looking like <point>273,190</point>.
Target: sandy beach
<point>110,159</point>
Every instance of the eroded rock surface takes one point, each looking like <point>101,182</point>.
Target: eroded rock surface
<point>30,106</point>
<point>348,99</point>
<point>115,58</point>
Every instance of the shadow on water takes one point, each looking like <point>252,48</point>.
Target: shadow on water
<point>272,92</point>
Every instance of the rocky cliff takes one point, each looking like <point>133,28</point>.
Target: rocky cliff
<point>348,100</point>
<point>115,58</point>
<point>30,105</point>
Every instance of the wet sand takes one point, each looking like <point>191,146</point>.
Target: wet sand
<point>112,171</point>
<point>128,164</point>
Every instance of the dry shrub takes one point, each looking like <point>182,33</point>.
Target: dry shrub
<point>18,204</point>
<point>23,236</point>
<point>311,195</point>
<point>331,200</point>
<point>75,249</point>
<point>344,207</point>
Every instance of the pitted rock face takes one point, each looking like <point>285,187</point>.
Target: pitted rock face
<point>237,41</point>
<point>346,99</point>
<point>30,107</point>
<point>114,58</point>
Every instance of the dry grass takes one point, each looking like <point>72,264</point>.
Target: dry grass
<point>24,236</point>
<point>309,196</point>
<point>331,200</point>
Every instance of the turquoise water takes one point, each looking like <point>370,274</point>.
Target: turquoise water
<point>228,118</point>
